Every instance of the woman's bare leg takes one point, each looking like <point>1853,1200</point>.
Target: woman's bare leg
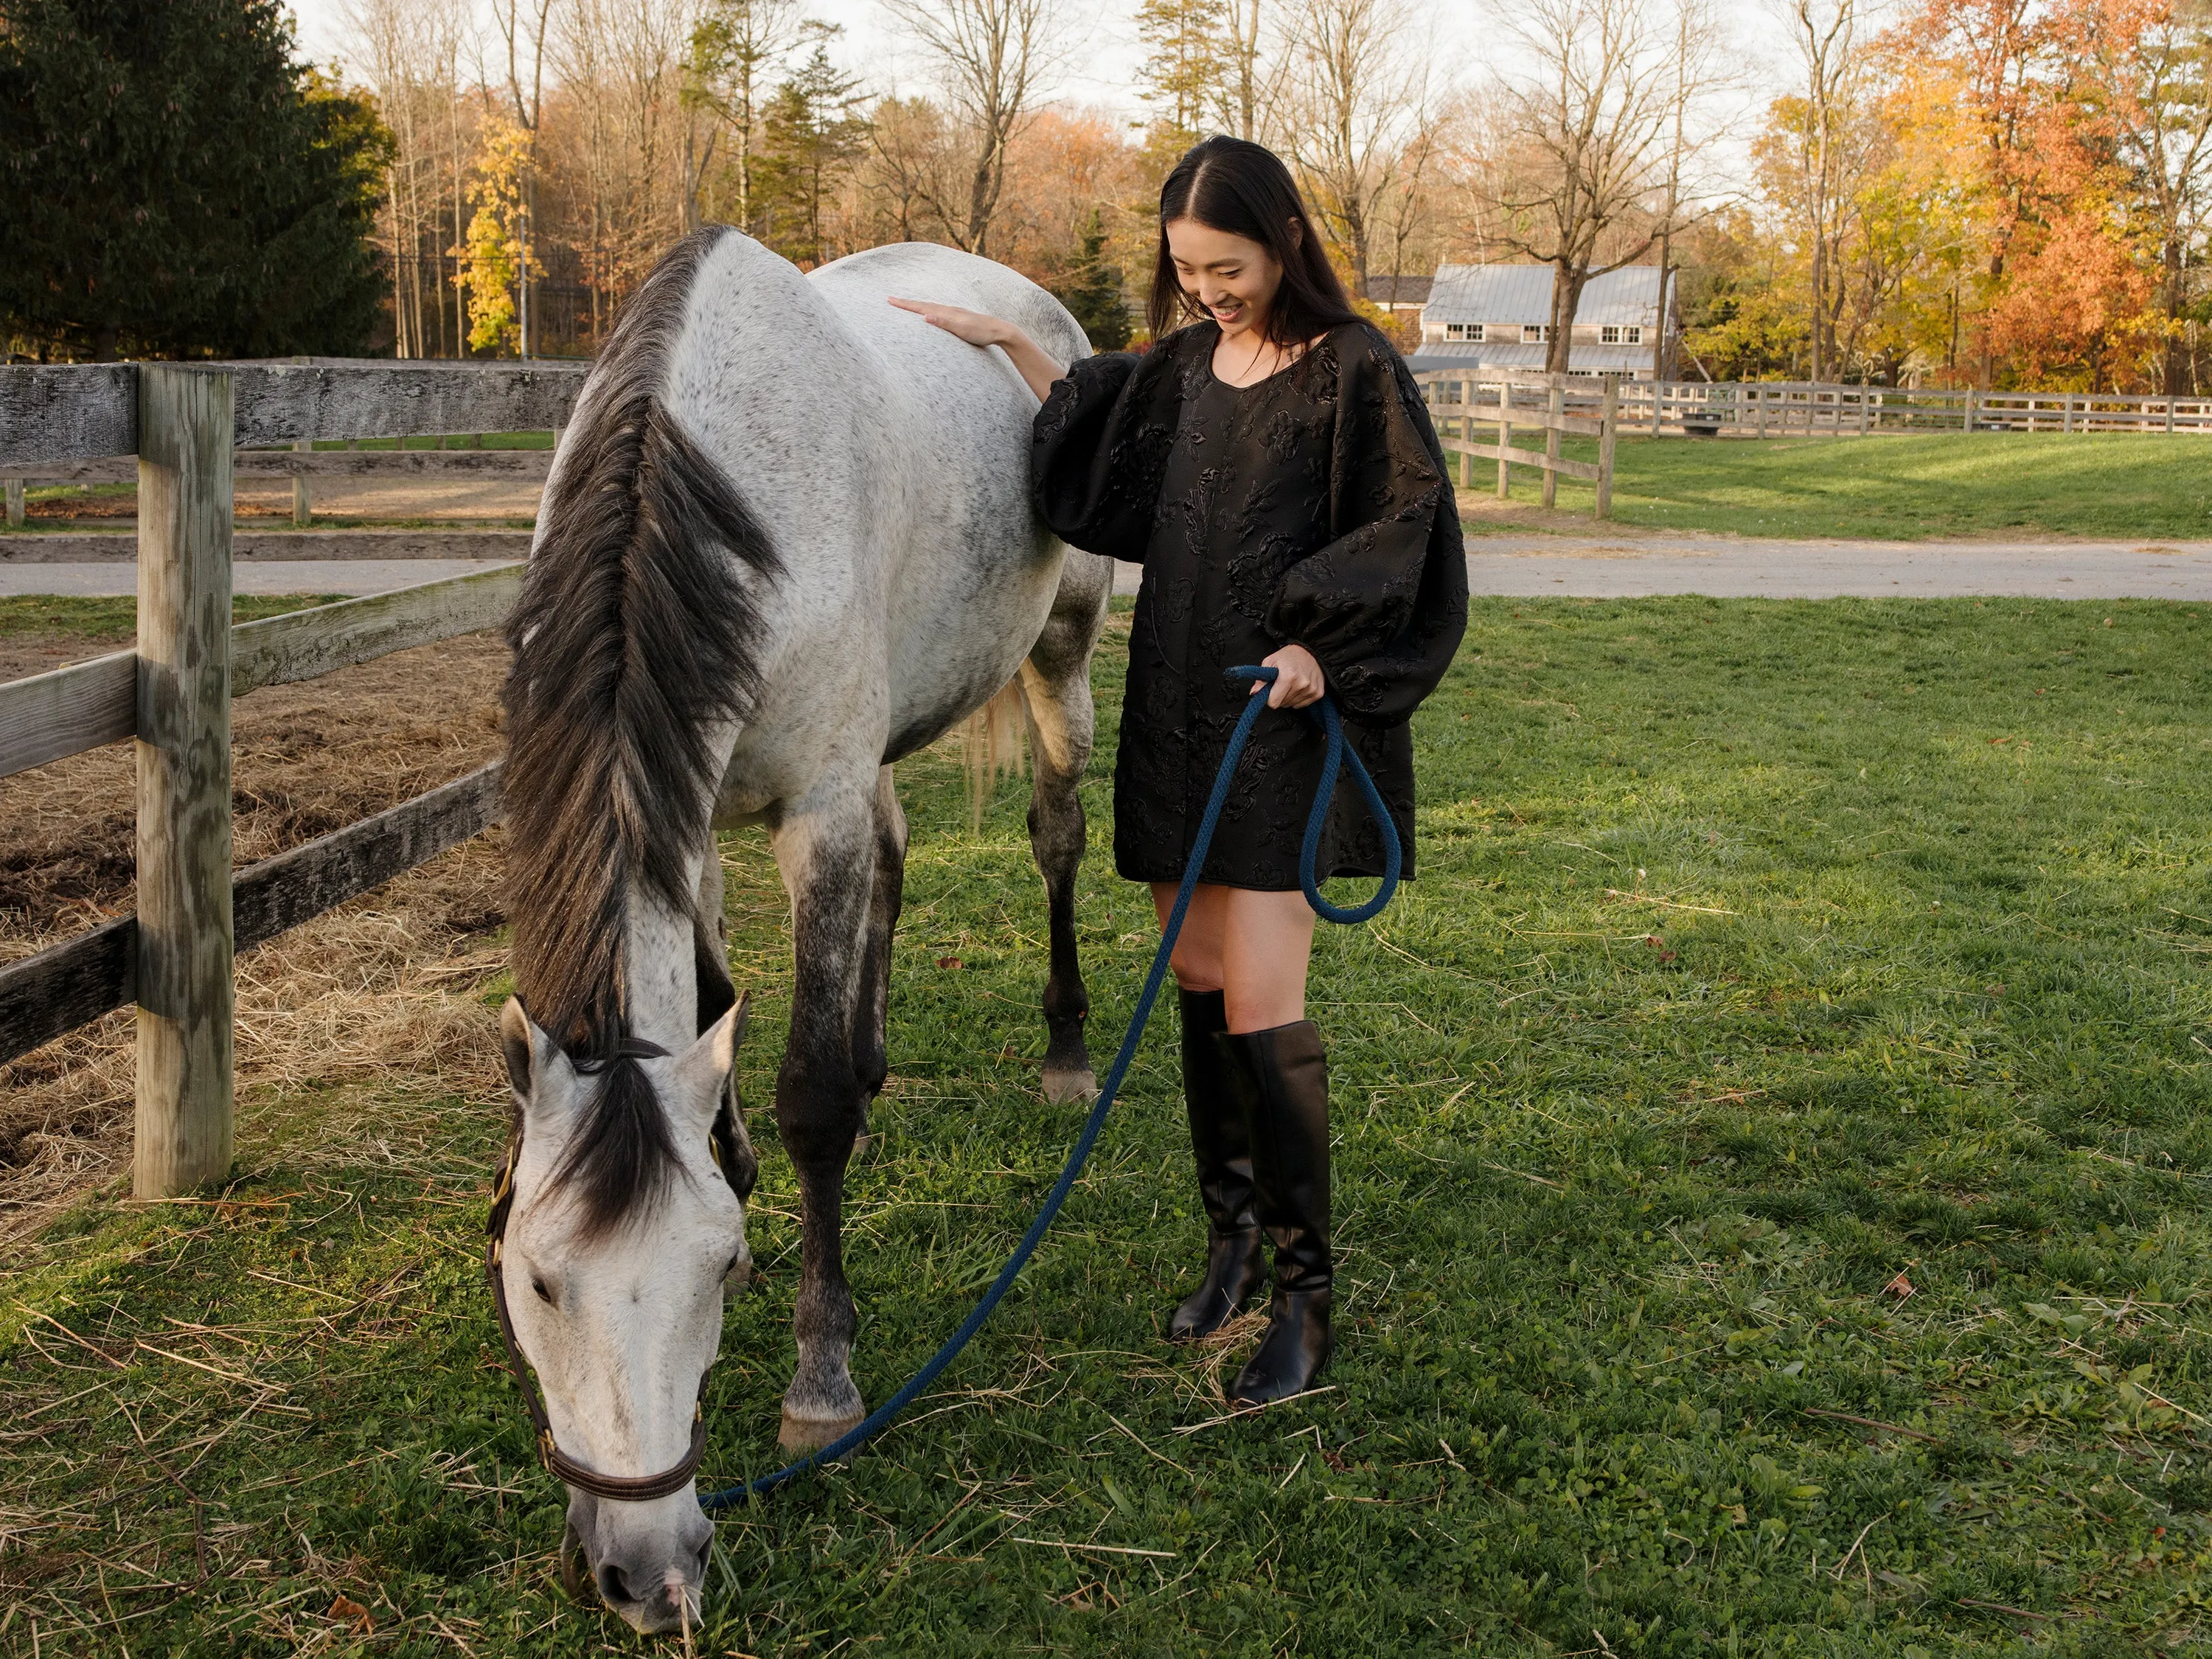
<point>1197,958</point>
<point>1252,947</point>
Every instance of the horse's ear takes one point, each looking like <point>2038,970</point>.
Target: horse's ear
<point>705,1066</point>
<point>529,1051</point>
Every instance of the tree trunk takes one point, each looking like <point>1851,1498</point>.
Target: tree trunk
<point>1567,283</point>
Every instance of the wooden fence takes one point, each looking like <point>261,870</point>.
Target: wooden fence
<point>1461,399</point>
<point>1754,409</point>
<point>184,425</point>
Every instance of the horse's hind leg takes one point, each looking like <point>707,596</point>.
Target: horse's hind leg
<point>872,1010</point>
<point>825,846</point>
<point>1056,685</point>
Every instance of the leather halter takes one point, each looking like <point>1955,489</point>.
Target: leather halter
<point>625,1489</point>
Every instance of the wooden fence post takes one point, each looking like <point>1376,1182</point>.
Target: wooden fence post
<point>184,941</point>
<point>1555,405</point>
<point>1609,414</point>
<point>16,501</point>
<point>1504,439</point>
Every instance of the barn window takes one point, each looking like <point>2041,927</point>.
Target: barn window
<point>1621,334</point>
<point>1463,331</point>
<point>1535,333</point>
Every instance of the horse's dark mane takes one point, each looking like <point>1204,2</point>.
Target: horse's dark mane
<point>633,638</point>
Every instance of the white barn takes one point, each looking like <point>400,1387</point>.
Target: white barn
<point>1499,317</point>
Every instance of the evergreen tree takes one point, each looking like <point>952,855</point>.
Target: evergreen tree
<point>810,132</point>
<point>173,182</point>
<point>1185,65</point>
<point>1093,290</point>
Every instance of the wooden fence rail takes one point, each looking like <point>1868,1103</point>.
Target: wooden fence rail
<point>1460,400</point>
<point>1800,408</point>
<point>173,959</point>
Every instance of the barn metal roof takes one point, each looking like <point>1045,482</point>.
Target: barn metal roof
<point>1580,359</point>
<point>1522,294</point>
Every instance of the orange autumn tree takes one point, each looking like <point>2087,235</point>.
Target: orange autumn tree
<point>2066,300</point>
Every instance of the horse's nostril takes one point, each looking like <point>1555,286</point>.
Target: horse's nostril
<point>613,1585</point>
<point>703,1548</point>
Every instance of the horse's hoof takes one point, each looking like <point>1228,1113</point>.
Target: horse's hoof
<point>806,1434</point>
<point>1061,1087</point>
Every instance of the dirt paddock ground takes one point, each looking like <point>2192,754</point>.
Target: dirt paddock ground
<point>382,982</point>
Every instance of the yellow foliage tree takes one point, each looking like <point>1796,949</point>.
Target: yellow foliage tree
<point>492,258</point>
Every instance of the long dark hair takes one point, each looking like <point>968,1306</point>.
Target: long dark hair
<point>1233,184</point>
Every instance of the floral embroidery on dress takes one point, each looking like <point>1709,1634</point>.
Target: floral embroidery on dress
<point>1313,505</point>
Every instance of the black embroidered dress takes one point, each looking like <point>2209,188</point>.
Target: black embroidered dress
<point>1312,506</point>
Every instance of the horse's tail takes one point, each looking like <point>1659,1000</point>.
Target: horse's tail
<point>636,643</point>
<point>992,741</point>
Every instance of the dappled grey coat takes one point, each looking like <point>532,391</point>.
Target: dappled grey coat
<point>1312,506</point>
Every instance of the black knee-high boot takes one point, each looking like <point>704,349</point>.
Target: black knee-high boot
<point>1289,1102</point>
<point>1215,1099</point>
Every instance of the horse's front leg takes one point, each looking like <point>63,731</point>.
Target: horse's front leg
<point>825,846</point>
<point>1056,688</point>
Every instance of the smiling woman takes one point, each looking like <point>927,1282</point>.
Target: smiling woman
<point>1274,469</point>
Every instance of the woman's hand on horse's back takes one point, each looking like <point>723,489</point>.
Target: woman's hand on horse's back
<point>980,328</point>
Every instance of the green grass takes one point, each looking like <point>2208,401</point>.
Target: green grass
<point>1901,487</point>
<point>97,620</point>
<point>1761,954</point>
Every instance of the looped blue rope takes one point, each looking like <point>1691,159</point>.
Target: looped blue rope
<point>1338,752</point>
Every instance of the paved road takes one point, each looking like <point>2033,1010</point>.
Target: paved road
<point>1515,566</point>
<point>1625,567</point>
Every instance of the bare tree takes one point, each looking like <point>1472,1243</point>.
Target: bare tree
<point>1578,177</point>
<point>1242,96</point>
<point>409,51</point>
<point>1695,38</point>
<point>1356,102</point>
<point>991,56</point>
<point>1826,154</point>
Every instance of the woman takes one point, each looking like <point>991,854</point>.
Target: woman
<point>1273,468</point>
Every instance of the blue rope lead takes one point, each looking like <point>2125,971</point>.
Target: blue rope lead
<point>1337,752</point>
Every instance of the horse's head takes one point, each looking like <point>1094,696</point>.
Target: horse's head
<point>620,1315</point>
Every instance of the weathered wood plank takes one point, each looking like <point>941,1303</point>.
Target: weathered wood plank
<point>67,412</point>
<point>529,464</point>
<point>279,403</point>
<point>66,985</point>
<point>52,715</point>
<point>74,982</point>
<point>1521,456</point>
<point>98,547</point>
<point>285,890</point>
<point>303,644</point>
<point>184,988</point>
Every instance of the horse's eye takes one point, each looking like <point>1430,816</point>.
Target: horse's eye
<point>543,1294</point>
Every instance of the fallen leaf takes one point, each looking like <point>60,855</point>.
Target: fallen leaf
<point>948,962</point>
<point>349,1612</point>
<point>1900,1287</point>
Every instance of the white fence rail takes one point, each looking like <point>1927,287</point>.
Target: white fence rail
<point>1783,409</point>
<point>1461,399</point>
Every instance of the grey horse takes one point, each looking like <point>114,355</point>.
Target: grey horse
<point>786,539</point>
